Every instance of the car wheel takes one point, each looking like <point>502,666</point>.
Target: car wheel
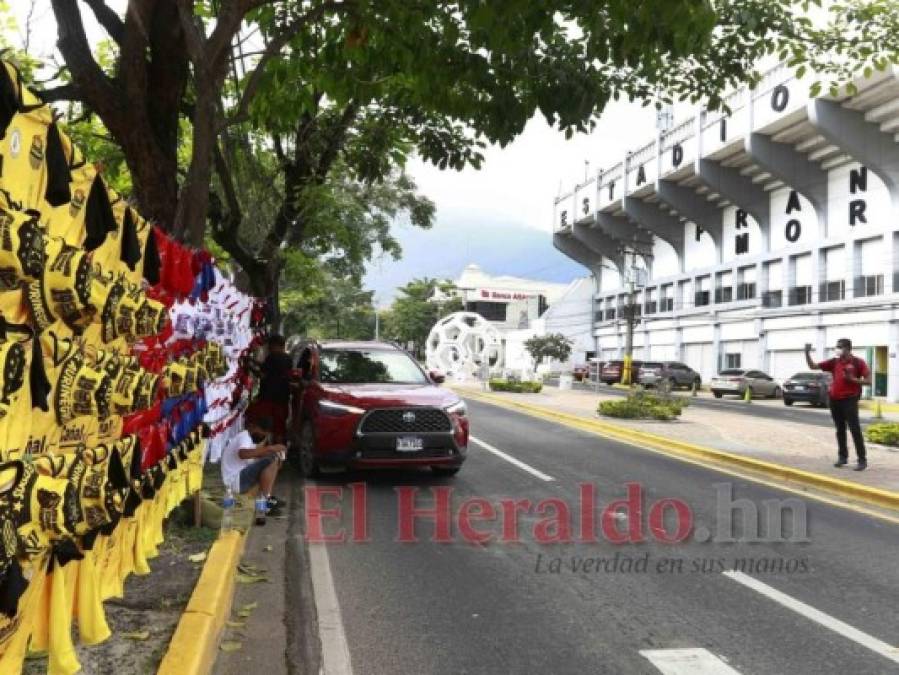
<point>446,470</point>
<point>717,394</point>
<point>788,401</point>
<point>308,463</point>
<point>697,384</point>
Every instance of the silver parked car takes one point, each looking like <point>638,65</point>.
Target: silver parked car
<point>676,374</point>
<point>737,380</point>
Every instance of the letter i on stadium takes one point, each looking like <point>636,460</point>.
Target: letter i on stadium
<point>747,234</point>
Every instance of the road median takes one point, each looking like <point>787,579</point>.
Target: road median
<point>834,486</point>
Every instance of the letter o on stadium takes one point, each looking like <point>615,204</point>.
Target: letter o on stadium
<point>780,97</point>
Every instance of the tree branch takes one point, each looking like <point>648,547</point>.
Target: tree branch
<point>193,37</point>
<point>65,92</point>
<point>226,227</point>
<point>107,18</point>
<point>93,84</point>
<point>274,48</point>
<point>335,142</point>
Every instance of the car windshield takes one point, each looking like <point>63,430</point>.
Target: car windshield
<point>806,376</point>
<point>345,366</point>
<point>652,364</point>
<point>732,371</point>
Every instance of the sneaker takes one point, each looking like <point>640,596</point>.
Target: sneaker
<point>274,502</point>
<point>841,463</point>
<point>861,466</point>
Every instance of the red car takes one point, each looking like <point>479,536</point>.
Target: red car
<point>370,405</point>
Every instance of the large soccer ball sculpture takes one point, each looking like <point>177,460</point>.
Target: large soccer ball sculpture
<point>460,344</point>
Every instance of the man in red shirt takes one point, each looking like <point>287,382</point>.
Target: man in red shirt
<point>850,374</point>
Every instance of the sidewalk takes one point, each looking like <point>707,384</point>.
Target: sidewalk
<point>795,445</point>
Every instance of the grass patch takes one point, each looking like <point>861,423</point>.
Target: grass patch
<point>643,406</point>
<point>883,433</point>
<point>516,386</point>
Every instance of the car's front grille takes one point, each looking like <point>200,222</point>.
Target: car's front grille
<point>405,420</point>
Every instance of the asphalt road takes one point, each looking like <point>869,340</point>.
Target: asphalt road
<point>824,605</point>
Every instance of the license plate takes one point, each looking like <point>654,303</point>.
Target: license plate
<point>800,387</point>
<point>409,444</point>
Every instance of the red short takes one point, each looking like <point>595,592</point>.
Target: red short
<point>277,412</point>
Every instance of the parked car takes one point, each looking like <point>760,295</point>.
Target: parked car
<point>812,387</point>
<point>737,380</point>
<point>654,373</point>
<point>611,371</point>
<point>371,405</point>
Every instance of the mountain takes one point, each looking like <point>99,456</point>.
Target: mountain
<point>454,242</point>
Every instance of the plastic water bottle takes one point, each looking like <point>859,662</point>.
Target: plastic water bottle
<point>261,508</point>
<point>228,511</point>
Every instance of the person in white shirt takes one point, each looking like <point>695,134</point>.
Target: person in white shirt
<point>250,459</point>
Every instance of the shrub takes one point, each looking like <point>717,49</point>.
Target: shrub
<point>643,406</point>
<point>884,433</point>
<point>516,386</point>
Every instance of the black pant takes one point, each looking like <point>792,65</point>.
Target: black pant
<point>845,412</point>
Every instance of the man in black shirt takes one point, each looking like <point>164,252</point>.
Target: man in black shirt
<point>274,386</point>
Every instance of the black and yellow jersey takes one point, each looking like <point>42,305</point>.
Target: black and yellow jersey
<point>33,165</point>
<point>21,245</point>
<point>64,288</point>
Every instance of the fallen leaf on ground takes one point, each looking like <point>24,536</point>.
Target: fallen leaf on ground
<point>236,624</point>
<point>136,635</point>
<point>230,646</point>
<point>247,579</point>
<point>197,557</point>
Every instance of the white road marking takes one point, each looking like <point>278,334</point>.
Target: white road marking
<point>819,617</point>
<point>502,455</point>
<point>687,662</point>
<point>335,651</point>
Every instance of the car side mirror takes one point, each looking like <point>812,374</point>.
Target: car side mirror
<point>437,377</point>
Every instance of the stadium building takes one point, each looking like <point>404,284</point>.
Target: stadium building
<point>750,233</point>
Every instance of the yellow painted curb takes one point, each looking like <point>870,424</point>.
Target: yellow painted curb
<point>863,493</point>
<point>194,646</point>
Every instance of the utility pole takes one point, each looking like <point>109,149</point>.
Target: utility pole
<point>630,315</point>
<point>377,325</point>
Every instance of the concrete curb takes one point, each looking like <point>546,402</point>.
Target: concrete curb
<point>194,646</point>
<point>834,486</point>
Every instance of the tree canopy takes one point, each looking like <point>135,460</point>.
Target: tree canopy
<point>198,98</point>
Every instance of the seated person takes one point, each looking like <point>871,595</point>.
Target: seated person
<point>252,459</point>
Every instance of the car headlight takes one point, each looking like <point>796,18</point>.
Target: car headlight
<point>334,409</point>
<point>458,408</point>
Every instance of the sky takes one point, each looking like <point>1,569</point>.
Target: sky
<point>499,216</point>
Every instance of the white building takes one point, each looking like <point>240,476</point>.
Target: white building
<point>572,316</point>
<point>761,230</point>
<point>515,306</point>
<point>507,302</point>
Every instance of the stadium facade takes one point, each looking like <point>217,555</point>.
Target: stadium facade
<point>752,232</point>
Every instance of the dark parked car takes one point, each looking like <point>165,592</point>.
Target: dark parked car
<point>737,381</point>
<point>810,387</point>
<point>370,405</point>
<point>611,371</point>
<point>654,373</point>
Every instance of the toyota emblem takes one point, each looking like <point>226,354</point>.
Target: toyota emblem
<point>408,417</point>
